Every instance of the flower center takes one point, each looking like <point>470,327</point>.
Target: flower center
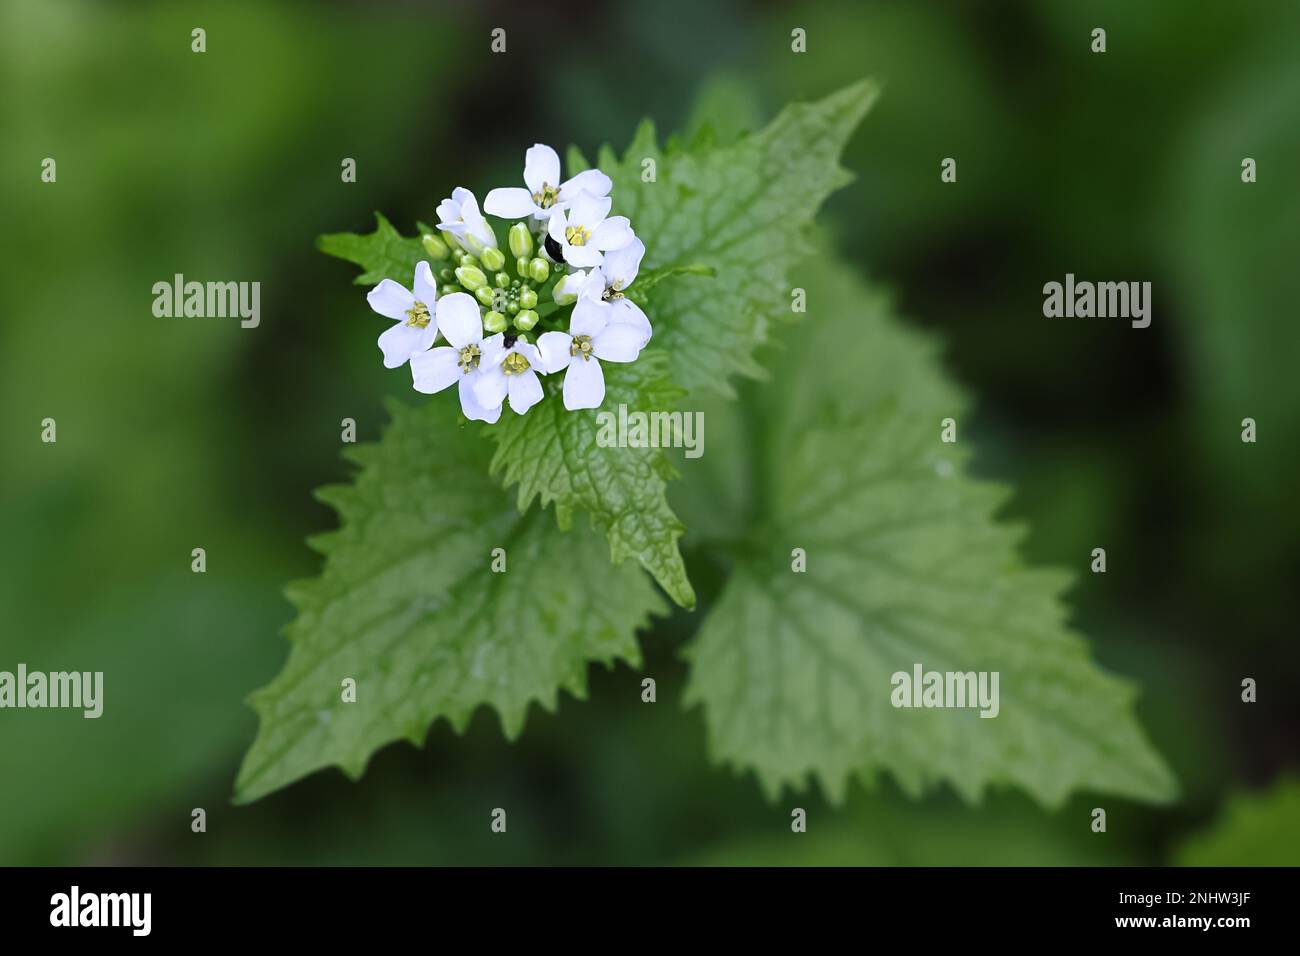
<point>547,197</point>
<point>577,235</point>
<point>468,360</point>
<point>514,364</point>
<point>581,346</point>
<point>417,316</point>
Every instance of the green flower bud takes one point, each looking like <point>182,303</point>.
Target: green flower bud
<point>521,240</point>
<point>521,266</point>
<point>502,280</point>
<point>560,295</point>
<point>484,295</point>
<point>470,277</point>
<point>449,288</point>
<point>512,308</point>
<point>434,246</point>
<point>528,298</point>
<point>476,245</point>
<point>495,322</point>
<point>493,259</point>
<point>446,275</point>
<point>539,270</point>
<point>526,319</point>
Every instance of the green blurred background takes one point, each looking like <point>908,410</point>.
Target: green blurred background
<point>182,434</point>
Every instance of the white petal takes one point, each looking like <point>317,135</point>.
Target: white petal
<point>435,369</point>
<point>627,312</point>
<point>541,167</point>
<point>471,407</point>
<point>428,335</point>
<point>584,385</point>
<point>619,342</point>
<point>494,350</point>
<point>621,265</point>
<point>555,227</point>
<point>614,233</point>
<point>591,181</point>
<point>390,299</point>
<point>589,317</point>
<point>510,203</point>
<point>555,348</point>
<point>490,386</point>
<point>530,352</point>
<point>398,343</point>
<point>525,391</point>
<point>458,319</point>
<point>425,287</point>
<point>588,210</point>
<point>582,256</point>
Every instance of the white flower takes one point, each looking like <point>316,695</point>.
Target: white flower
<point>583,232</point>
<point>460,218</point>
<point>510,372</point>
<point>415,324</point>
<point>461,361</point>
<point>545,192</point>
<point>591,339</point>
<point>607,282</point>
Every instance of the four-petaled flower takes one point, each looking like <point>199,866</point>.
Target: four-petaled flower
<point>459,217</point>
<point>510,371</point>
<point>545,192</point>
<point>462,360</point>
<point>584,233</point>
<point>413,311</point>
<point>591,339</point>
<point>605,285</point>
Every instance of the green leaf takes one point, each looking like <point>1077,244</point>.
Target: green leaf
<point>745,210</point>
<point>383,254</point>
<point>1254,830</point>
<point>409,607</point>
<point>554,455</point>
<point>906,564</point>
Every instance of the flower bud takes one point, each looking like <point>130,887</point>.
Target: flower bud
<point>476,245</point>
<point>521,266</point>
<point>484,295</point>
<point>512,307</point>
<point>470,277</point>
<point>521,241</point>
<point>502,280</point>
<point>526,319</point>
<point>493,259</point>
<point>528,298</point>
<point>561,293</point>
<point>434,246</point>
<point>446,275</point>
<point>495,322</point>
<point>539,270</point>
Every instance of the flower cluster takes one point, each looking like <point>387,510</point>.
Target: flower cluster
<point>568,252</point>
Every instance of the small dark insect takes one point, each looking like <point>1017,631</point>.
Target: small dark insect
<point>553,249</point>
<point>509,341</point>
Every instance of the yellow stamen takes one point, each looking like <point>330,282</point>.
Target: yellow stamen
<point>417,316</point>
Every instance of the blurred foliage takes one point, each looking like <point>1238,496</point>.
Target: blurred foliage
<point>174,435</point>
<point>1253,830</point>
